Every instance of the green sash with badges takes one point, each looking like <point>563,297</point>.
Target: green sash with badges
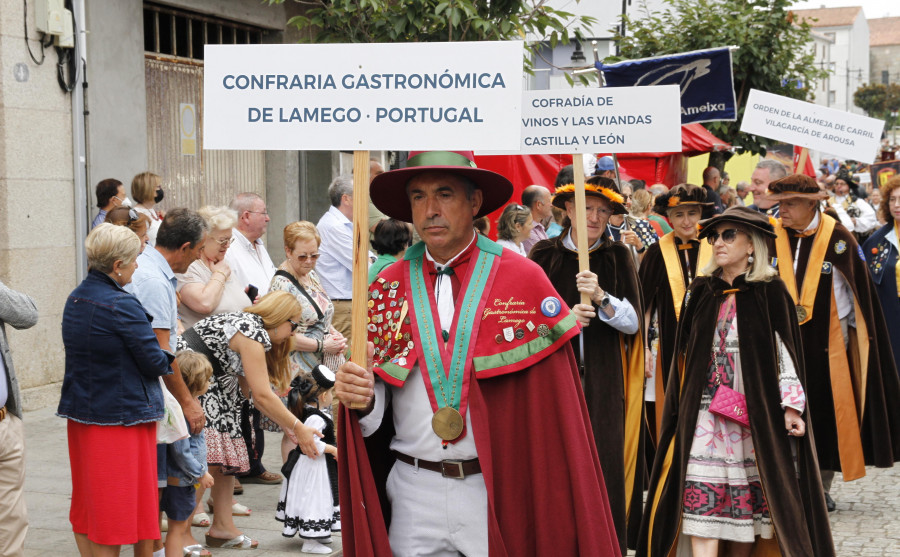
<point>448,388</point>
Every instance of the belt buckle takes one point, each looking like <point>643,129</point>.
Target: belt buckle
<point>452,469</point>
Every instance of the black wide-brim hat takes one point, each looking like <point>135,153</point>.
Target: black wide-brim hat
<point>681,195</point>
<point>388,190</point>
<point>798,186</point>
<point>595,186</point>
<point>844,174</point>
<point>743,216</point>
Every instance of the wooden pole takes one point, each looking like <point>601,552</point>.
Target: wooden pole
<point>358,332</point>
<point>584,263</point>
<point>801,164</point>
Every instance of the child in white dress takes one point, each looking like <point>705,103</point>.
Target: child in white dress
<point>306,504</point>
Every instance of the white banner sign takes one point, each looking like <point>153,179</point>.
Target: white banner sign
<point>831,131</point>
<point>605,120</point>
<point>413,96</point>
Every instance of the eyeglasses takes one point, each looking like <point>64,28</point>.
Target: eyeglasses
<point>728,236</point>
<point>308,256</point>
<point>225,242</point>
<point>132,216</point>
<point>294,325</point>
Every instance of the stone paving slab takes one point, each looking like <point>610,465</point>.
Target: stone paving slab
<point>48,488</point>
<point>867,522</point>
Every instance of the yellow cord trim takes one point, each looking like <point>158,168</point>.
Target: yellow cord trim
<point>605,192</point>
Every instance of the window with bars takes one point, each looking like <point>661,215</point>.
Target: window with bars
<point>182,33</point>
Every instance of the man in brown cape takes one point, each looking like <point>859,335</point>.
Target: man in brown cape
<point>853,386</point>
<point>611,351</point>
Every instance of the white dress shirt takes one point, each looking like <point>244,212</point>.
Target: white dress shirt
<point>250,262</point>
<point>335,266</point>
<point>867,220</point>
<point>625,318</point>
<point>843,297</point>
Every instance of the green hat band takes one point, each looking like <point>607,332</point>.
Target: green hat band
<point>439,158</point>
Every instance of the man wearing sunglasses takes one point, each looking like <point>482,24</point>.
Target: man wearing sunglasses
<point>852,379</point>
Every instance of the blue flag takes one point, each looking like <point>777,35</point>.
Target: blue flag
<point>705,78</point>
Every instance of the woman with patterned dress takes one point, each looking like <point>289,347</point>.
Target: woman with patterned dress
<point>882,251</point>
<point>315,338</point>
<point>249,352</point>
<point>715,481</point>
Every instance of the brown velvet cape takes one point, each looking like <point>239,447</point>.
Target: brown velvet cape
<point>880,424</point>
<point>613,370</point>
<point>657,296</point>
<point>796,501</point>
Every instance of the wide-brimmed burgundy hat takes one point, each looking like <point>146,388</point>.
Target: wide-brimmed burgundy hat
<point>681,195</point>
<point>595,186</point>
<point>743,216</point>
<point>795,186</point>
<point>388,190</point>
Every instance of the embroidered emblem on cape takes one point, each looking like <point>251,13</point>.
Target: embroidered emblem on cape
<point>840,247</point>
<point>509,334</point>
<point>551,306</point>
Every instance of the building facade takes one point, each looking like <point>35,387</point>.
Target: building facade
<point>129,94</point>
<point>849,52</point>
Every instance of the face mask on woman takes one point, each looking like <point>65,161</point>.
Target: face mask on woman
<point>159,195</point>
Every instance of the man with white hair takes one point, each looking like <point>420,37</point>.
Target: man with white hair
<point>537,198</point>
<point>766,172</point>
<point>335,267</point>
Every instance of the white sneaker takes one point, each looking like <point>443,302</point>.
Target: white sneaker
<point>313,546</point>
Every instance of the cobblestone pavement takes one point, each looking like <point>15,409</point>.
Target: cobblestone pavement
<point>867,522</point>
<point>48,488</point>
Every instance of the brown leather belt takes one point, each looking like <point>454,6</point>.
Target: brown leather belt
<point>457,469</point>
<point>2,413</point>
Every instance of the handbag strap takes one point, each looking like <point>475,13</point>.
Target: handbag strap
<point>195,343</point>
<point>295,282</point>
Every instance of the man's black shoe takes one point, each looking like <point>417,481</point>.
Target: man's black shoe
<point>829,503</point>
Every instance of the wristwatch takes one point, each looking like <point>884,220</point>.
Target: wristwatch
<point>604,301</point>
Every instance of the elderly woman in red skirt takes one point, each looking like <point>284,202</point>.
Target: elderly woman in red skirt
<point>112,399</point>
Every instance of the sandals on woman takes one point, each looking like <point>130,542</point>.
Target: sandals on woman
<point>195,550</point>
<point>201,520</point>
<point>241,542</point>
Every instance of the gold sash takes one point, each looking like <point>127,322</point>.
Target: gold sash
<point>633,377</point>
<point>673,267</point>
<point>807,296</point>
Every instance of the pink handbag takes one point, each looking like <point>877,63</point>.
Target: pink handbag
<point>730,404</point>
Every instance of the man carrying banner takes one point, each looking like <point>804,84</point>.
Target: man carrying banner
<point>611,352</point>
<point>477,438</point>
<point>852,384</point>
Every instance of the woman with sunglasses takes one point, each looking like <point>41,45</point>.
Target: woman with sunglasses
<point>138,223</point>
<point>717,481</point>
<point>316,337</point>
<point>209,287</point>
<point>250,354</point>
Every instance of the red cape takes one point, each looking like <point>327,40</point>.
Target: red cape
<point>546,493</point>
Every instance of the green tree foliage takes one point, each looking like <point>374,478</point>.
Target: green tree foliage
<point>879,101</point>
<point>392,21</point>
<point>774,53</point>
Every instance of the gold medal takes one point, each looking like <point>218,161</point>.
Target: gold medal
<point>447,423</point>
<point>801,314</point>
